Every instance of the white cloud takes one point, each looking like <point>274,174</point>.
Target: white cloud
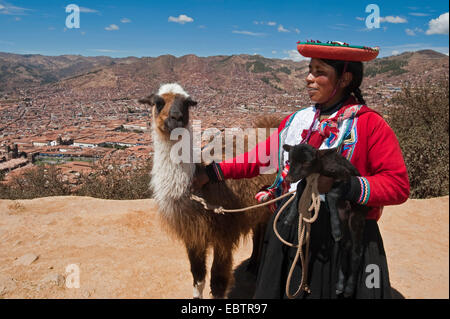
<point>282,29</point>
<point>392,19</point>
<point>255,34</point>
<point>294,56</point>
<point>87,10</point>
<point>419,14</point>
<point>438,25</point>
<point>182,19</point>
<point>395,52</point>
<point>112,27</point>
<point>125,20</point>
<point>411,47</point>
<point>270,23</point>
<point>297,31</point>
<point>9,9</point>
<point>410,32</point>
<point>274,52</point>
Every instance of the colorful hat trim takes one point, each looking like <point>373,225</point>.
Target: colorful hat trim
<point>334,50</point>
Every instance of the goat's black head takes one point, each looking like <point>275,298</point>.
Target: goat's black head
<point>303,161</point>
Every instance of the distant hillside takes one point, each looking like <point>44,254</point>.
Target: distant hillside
<point>216,72</point>
<point>205,76</point>
<point>21,71</point>
<point>409,62</point>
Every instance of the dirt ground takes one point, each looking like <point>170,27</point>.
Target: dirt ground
<point>120,251</point>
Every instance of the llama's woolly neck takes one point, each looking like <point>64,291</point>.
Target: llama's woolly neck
<point>170,181</point>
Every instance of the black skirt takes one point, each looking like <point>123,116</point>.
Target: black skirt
<point>277,258</point>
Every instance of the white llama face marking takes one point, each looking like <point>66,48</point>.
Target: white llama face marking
<point>173,88</point>
<point>198,289</point>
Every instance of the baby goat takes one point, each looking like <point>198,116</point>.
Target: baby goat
<point>347,218</point>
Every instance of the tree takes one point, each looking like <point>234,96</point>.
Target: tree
<point>420,118</point>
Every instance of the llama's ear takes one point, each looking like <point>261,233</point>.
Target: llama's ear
<point>287,147</point>
<point>154,99</point>
<point>191,102</point>
<point>146,100</point>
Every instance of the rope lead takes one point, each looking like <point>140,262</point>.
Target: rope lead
<point>309,201</point>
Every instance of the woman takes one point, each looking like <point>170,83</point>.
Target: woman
<point>339,119</point>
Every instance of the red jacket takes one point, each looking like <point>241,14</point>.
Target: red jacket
<point>374,151</point>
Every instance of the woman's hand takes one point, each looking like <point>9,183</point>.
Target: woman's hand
<point>324,184</point>
<point>200,178</point>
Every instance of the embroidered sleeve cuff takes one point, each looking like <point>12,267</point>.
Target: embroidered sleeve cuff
<point>365,191</point>
<point>214,172</point>
<point>359,190</point>
<point>355,191</point>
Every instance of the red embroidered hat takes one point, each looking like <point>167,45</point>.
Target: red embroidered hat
<point>334,50</point>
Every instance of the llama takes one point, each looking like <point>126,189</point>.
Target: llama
<point>198,228</point>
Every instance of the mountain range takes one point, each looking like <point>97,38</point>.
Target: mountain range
<point>128,75</point>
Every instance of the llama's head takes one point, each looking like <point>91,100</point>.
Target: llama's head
<point>170,108</point>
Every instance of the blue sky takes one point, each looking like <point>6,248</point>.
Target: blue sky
<point>269,28</point>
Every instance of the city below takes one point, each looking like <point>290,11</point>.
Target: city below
<point>74,119</point>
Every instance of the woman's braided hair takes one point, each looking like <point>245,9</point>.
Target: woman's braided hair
<point>356,69</point>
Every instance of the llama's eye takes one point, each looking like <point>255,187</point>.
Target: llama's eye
<point>159,106</point>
